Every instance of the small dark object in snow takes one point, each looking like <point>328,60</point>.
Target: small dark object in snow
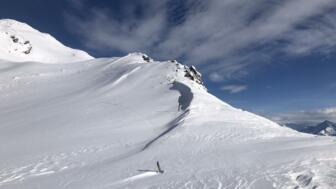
<point>15,39</point>
<point>28,50</point>
<point>304,180</point>
<point>146,58</point>
<point>159,170</point>
<point>26,42</point>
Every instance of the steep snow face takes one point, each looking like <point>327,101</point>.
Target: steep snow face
<point>95,124</point>
<point>21,43</point>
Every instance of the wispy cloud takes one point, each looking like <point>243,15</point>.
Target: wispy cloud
<point>228,36</point>
<point>101,31</point>
<point>77,4</point>
<point>307,116</point>
<point>234,88</point>
<point>319,35</point>
<point>216,77</point>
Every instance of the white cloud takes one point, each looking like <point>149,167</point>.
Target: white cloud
<point>100,31</point>
<point>223,34</point>
<point>307,116</point>
<point>216,77</point>
<point>234,88</point>
<point>328,111</point>
<point>320,35</point>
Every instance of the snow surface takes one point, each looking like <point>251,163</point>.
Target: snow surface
<point>20,42</point>
<point>96,123</point>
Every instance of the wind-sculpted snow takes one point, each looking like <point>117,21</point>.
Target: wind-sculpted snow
<point>184,101</point>
<point>186,95</point>
<point>94,124</point>
<point>170,126</point>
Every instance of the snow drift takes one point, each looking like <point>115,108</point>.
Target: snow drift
<point>94,124</point>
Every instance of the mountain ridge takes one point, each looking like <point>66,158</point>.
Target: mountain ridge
<point>22,43</point>
<point>96,123</point>
<point>326,128</point>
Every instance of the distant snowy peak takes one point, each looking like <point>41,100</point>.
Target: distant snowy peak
<point>326,128</point>
<point>20,43</point>
<point>9,24</point>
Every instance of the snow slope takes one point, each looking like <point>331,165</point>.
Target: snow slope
<point>20,42</point>
<point>94,124</point>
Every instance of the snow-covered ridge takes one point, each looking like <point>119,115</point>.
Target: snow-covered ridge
<point>96,123</point>
<point>10,24</point>
<point>21,43</point>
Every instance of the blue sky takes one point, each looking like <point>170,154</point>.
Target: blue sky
<point>275,58</point>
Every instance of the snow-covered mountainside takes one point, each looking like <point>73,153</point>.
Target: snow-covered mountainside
<point>95,124</point>
<point>104,123</point>
<point>20,42</point>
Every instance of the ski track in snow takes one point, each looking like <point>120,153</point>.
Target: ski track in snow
<point>134,178</point>
<point>139,176</point>
<point>124,76</point>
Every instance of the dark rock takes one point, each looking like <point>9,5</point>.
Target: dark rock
<point>192,73</point>
<point>15,39</point>
<point>146,58</point>
<point>28,50</point>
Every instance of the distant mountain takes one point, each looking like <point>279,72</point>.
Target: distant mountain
<point>20,43</point>
<point>326,128</point>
